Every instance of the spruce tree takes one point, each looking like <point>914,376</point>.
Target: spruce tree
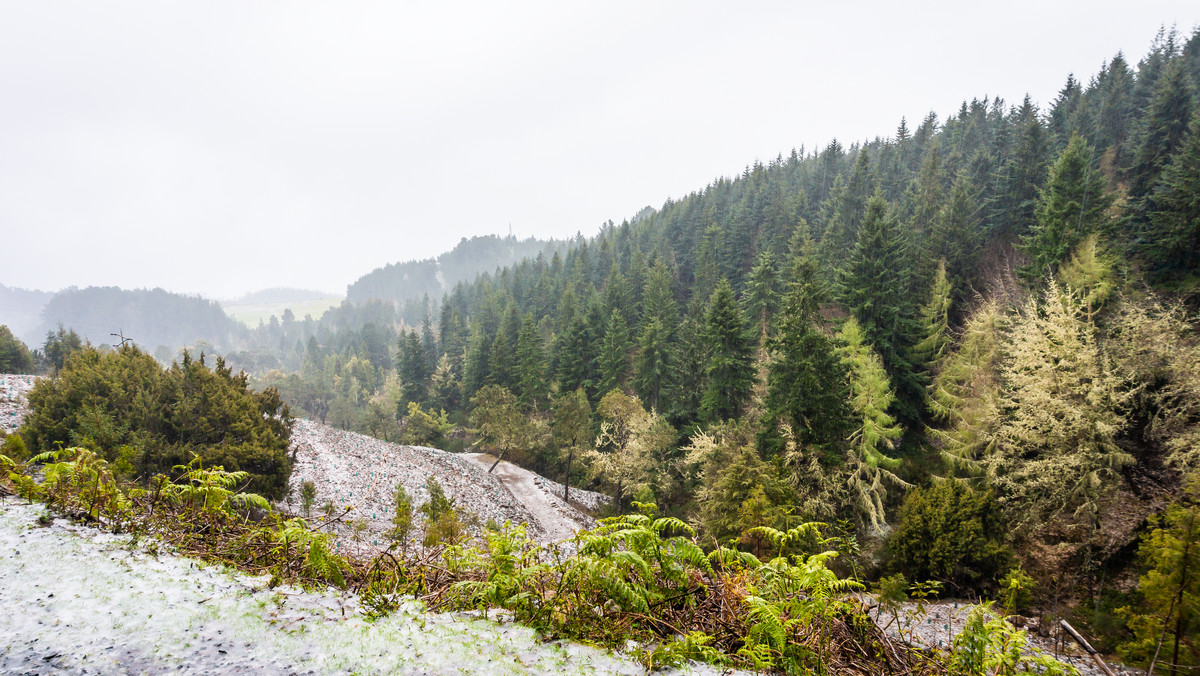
<point>614,353</point>
<point>1160,132</point>
<point>806,382</point>
<point>1070,207</point>
<point>874,284</point>
<point>762,294</point>
<point>730,367</point>
<point>1171,237</point>
<point>531,382</point>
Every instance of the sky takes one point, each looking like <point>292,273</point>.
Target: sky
<point>224,147</point>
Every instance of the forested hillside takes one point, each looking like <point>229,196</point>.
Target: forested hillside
<point>409,282</point>
<point>976,335</point>
<point>160,321</point>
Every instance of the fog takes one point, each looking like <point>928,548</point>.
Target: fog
<point>222,147</point>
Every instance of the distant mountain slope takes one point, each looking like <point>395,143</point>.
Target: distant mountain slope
<point>400,282</point>
<point>277,295</point>
<point>150,317</point>
<point>21,311</point>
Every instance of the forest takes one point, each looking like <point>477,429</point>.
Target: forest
<point>971,343</point>
<point>970,347</point>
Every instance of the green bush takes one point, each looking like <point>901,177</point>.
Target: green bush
<point>145,420</point>
<point>949,532</point>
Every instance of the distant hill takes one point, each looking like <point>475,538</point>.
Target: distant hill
<point>21,311</point>
<point>400,282</point>
<point>280,295</point>
<point>150,317</point>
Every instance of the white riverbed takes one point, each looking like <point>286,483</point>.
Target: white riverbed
<point>76,600</point>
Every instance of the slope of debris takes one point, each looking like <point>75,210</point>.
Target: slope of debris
<point>353,470</point>
<point>13,388</point>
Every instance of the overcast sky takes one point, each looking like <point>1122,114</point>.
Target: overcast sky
<point>224,147</point>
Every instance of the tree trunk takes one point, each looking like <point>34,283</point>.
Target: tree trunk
<point>499,457</point>
<point>567,480</point>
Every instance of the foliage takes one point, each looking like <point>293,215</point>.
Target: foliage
<point>1072,206</point>
<point>875,431</point>
<point>15,356</point>
<point>950,533</point>
<point>107,401</point>
<point>1058,447</point>
<point>424,428</point>
<point>630,445</point>
<point>1169,616</point>
<point>987,645</point>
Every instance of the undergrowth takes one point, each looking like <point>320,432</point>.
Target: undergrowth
<point>635,577</point>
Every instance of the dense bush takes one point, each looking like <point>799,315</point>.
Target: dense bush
<point>146,420</point>
<point>949,532</point>
<point>15,357</point>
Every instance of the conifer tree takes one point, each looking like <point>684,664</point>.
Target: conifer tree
<point>806,382</point>
<point>531,381</point>
<point>875,430</point>
<point>1160,132</point>
<point>934,322</point>
<point>1070,207</point>
<point>873,284</point>
<point>1171,238</point>
<point>730,367</point>
<point>1023,173</point>
<point>614,353</point>
<point>652,376</point>
<point>762,294</point>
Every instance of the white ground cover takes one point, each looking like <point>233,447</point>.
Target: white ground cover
<point>77,600</point>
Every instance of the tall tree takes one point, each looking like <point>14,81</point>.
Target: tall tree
<point>806,382</point>
<point>1071,206</point>
<point>614,353</point>
<point>730,368</point>
<point>1171,236</point>
<point>871,280</point>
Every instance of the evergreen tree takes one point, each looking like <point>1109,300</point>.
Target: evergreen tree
<point>531,382</point>
<point>413,371</point>
<point>873,283</point>
<point>653,373</point>
<point>1160,132</point>
<point>730,368</point>
<point>806,382</point>
<point>1070,207</point>
<point>875,430</point>
<point>614,353</point>
<point>762,294</point>
<point>1023,173</point>
<point>1171,238</point>
<point>934,323</point>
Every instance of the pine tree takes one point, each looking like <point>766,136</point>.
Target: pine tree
<point>806,382</point>
<point>652,377</point>
<point>531,382</point>
<point>614,353</point>
<point>1171,238</point>
<point>762,294</point>
<point>1071,206</point>
<point>730,367</point>
<point>1160,133</point>
<point>873,284</point>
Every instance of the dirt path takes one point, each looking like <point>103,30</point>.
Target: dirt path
<point>556,518</point>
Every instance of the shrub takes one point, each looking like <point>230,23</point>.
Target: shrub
<point>948,532</point>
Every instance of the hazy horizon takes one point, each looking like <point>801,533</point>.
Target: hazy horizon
<point>226,148</point>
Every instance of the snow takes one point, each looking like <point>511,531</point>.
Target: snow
<point>81,601</point>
